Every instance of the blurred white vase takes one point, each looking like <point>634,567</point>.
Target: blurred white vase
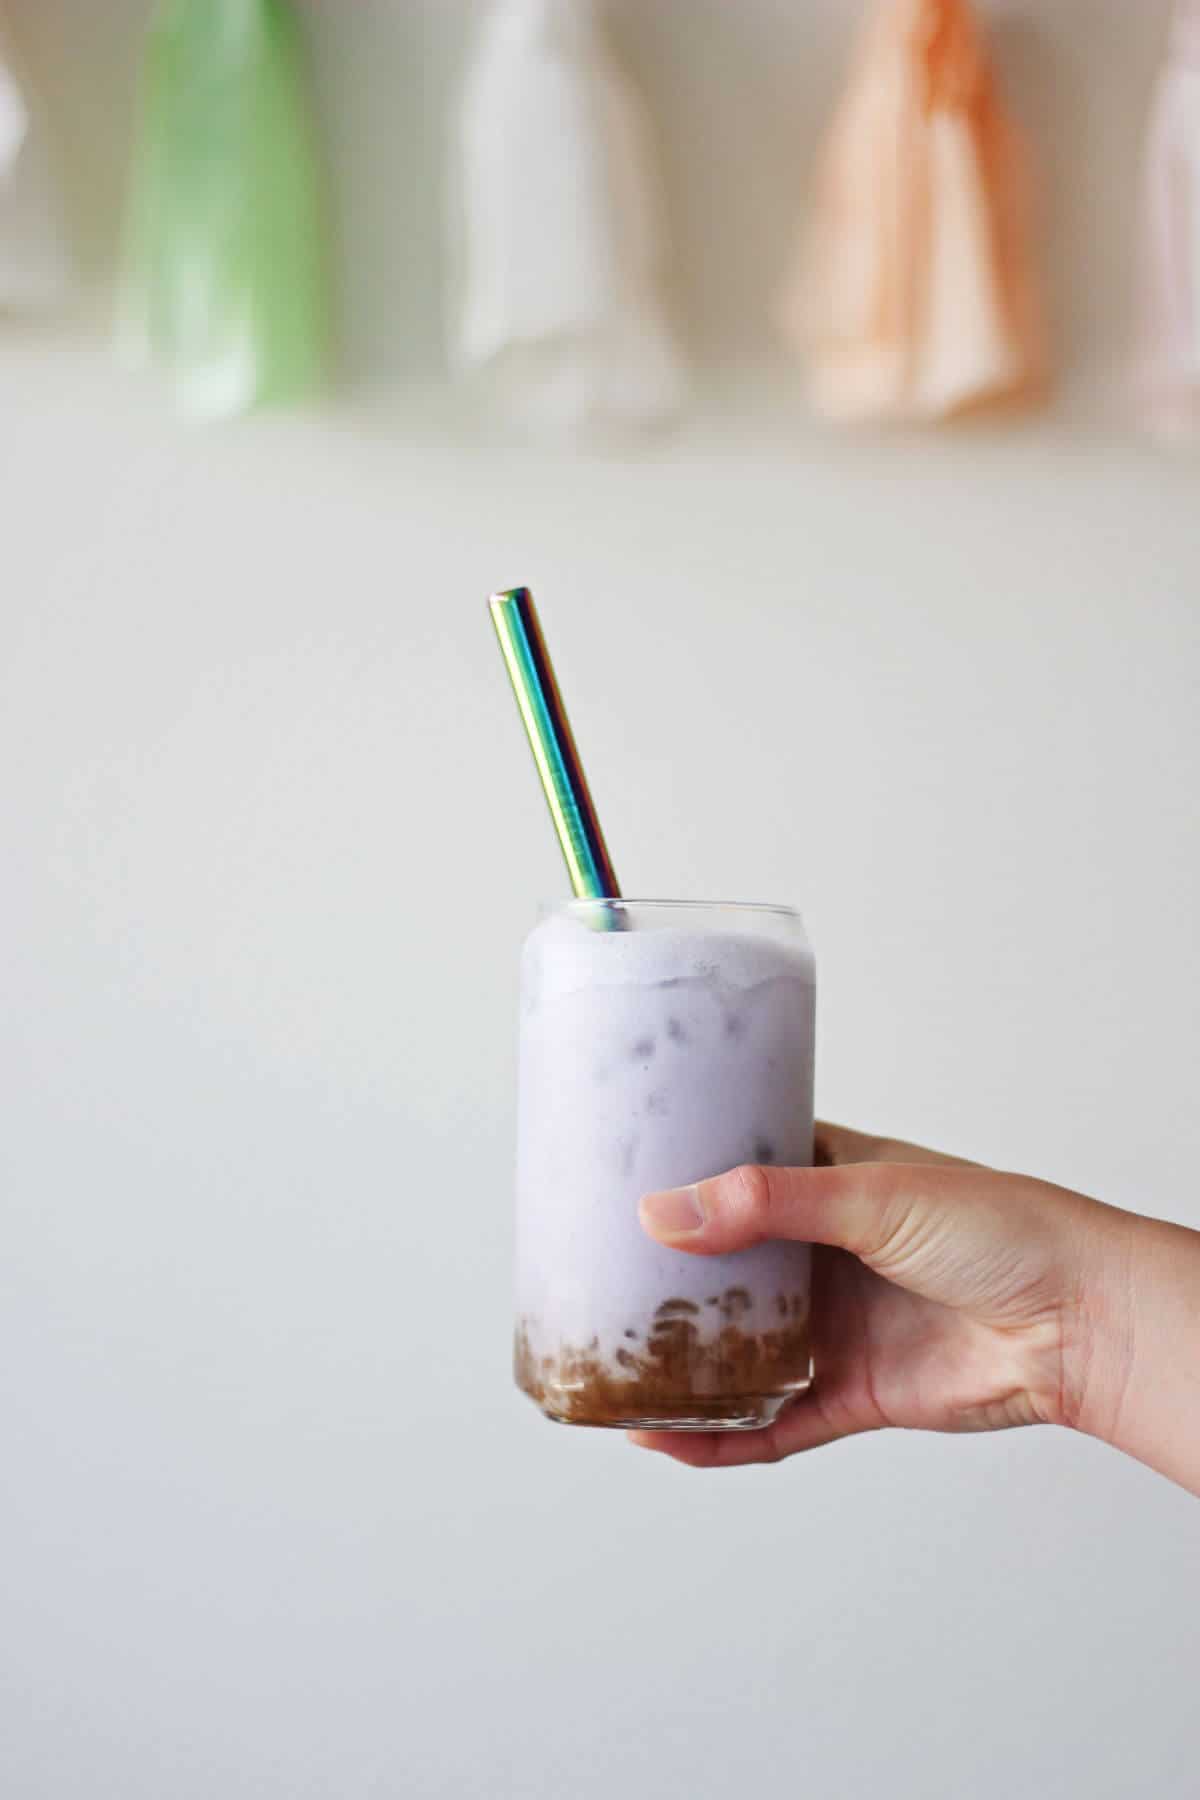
<point>35,266</point>
<point>559,310</point>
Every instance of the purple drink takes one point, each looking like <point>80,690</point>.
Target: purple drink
<point>674,1048</point>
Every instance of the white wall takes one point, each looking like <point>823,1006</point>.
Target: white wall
<point>272,1522</point>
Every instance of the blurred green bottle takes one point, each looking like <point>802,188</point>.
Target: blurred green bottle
<point>225,281</point>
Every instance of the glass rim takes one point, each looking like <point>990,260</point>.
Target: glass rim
<point>578,903</point>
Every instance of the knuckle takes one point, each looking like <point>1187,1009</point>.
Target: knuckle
<point>751,1194</point>
<point>901,1220</point>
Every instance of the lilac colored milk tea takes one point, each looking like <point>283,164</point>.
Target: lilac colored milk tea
<point>660,1044</point>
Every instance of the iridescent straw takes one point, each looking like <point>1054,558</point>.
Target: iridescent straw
<point>553,744</point>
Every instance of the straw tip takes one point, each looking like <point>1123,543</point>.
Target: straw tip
<point>508,596</point>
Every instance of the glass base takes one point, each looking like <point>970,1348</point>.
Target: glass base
<point>751,1412</point>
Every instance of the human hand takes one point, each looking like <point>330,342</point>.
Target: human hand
<point>946,1297</point>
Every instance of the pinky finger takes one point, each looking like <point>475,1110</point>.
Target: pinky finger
<point>804,1426</point>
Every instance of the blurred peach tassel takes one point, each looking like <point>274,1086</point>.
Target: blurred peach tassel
<point>915,298</point>
<point>1171,276</point>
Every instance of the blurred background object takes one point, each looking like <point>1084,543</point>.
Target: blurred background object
<point>917,298</point>
<point>560,227</point>
<point>225,283</point>
<point>35,263</point>
<point>1171,284</point>
<point>952,312</point>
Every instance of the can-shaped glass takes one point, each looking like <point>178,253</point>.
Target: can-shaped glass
<point>662,1042</point>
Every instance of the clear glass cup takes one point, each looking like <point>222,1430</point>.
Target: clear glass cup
<point>661,1042</point>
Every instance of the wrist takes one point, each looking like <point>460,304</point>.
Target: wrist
<point>1138,1385</point>
<point>1098,1347</point>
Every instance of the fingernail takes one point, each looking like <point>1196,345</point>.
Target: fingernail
<point>676,1213</point>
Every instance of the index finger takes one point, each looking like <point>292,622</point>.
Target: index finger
<point>835,1145</point>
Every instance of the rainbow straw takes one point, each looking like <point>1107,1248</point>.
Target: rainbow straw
<point>553,744</point>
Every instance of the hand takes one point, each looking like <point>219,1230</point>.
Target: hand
<point>947,1297</point>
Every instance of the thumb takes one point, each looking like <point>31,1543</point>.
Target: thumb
<point>867,1208</point>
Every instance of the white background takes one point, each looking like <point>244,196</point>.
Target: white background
<point>273,1523</point>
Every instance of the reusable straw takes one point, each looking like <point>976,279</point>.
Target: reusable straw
<point>553,744</point>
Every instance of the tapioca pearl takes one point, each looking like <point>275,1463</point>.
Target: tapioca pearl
<point>657,1105</point>
<point>677,1308</point>
<point>672,1339</point>
<point>643,1050</point>
<point>764,1152</point>
<point>736,1302</point>
<point>676,1031</point>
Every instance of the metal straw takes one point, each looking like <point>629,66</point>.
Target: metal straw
<point>554,749</point>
